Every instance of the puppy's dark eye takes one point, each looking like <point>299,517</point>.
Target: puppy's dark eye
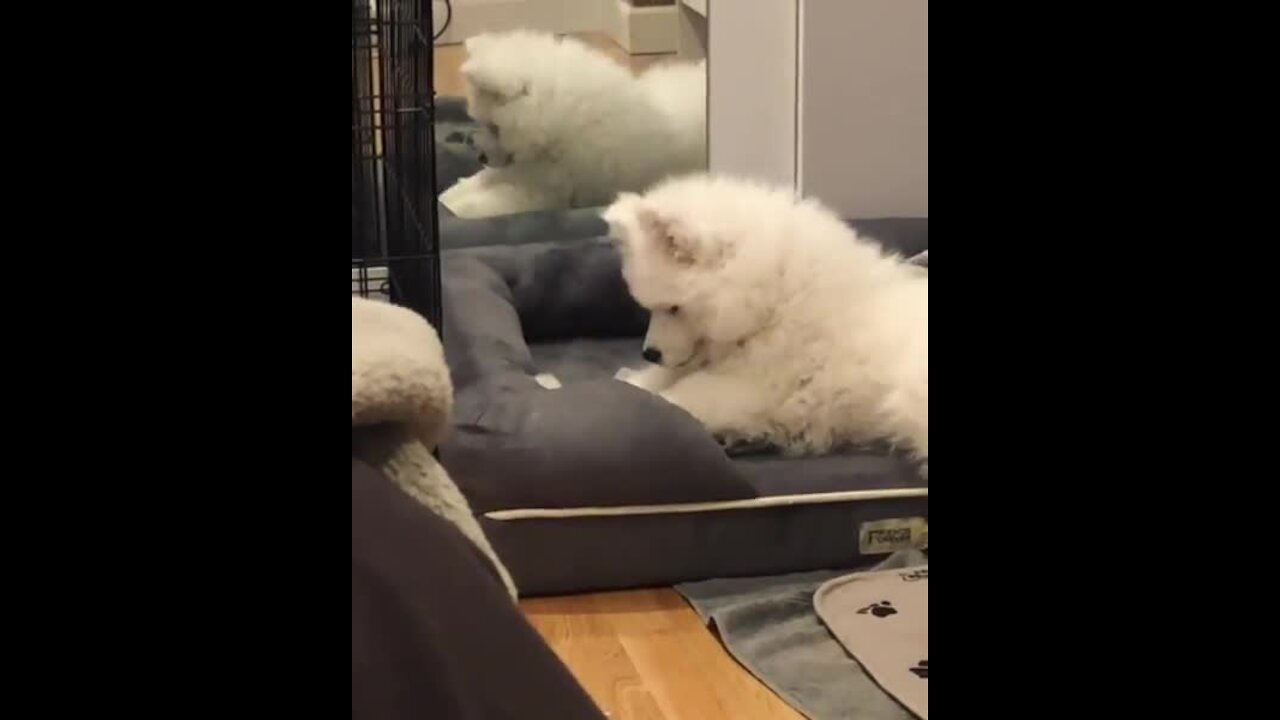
<point>674,310</point>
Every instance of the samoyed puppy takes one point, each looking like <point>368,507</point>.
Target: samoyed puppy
<point>772,321</point>
<point>564,126</point>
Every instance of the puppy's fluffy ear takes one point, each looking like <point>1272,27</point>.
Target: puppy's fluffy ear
<point>621,217</point>
<point>633,222</point>
<point>496,81</point>
<point>669,235</point>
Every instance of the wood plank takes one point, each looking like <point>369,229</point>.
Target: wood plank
<point>586,640</point>
<point>646,654</point>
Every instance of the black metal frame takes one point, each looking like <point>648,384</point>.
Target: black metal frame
<point>395,247</point>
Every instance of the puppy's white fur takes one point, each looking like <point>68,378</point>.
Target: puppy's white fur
<point>775,321</point>
<point>573,128</point>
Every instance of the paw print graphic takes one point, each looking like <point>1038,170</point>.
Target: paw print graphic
<point>881,609</point>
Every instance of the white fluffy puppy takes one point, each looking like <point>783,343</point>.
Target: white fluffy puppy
<point>772,321</point>
<point>565,126</point>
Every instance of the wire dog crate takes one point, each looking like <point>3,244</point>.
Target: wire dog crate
<point>395,252</point>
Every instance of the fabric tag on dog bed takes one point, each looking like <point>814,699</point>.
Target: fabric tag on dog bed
<point>878,537</point>
<point>882,619</point>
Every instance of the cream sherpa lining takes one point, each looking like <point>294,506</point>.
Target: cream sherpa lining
<point>401,396</point>
<point>398,372</point>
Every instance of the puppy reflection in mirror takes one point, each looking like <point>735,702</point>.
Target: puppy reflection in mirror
<point>564,126</point>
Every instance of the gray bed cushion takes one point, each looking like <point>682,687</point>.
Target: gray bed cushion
<point>905,236</point>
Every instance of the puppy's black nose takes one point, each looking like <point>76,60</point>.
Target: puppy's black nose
<point>653,355</point>
<point>484,159</point>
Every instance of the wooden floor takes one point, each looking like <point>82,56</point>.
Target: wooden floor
<point>645,654</point>
<point>448,58</point>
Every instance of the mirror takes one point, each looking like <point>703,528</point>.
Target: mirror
<point>547,109</point>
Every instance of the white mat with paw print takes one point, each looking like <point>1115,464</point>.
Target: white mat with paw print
<point>882,619</point>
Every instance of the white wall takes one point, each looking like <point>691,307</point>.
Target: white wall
<point>475,16</point>
<point>830,97</point>
<point>864,106</point>
<point>751,88</point>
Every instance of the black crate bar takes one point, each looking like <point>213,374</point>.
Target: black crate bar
<point>393,194</point>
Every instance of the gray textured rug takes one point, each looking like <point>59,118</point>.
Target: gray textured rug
<point>769,625</point>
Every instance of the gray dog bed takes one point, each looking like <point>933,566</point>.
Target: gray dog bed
<point>600,485</point>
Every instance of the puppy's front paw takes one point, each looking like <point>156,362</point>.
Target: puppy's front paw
<point>468,205</point>
<point>679,402</point>
<point>652,378</point>
<point>456,194</point>
<point>632,377</point>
